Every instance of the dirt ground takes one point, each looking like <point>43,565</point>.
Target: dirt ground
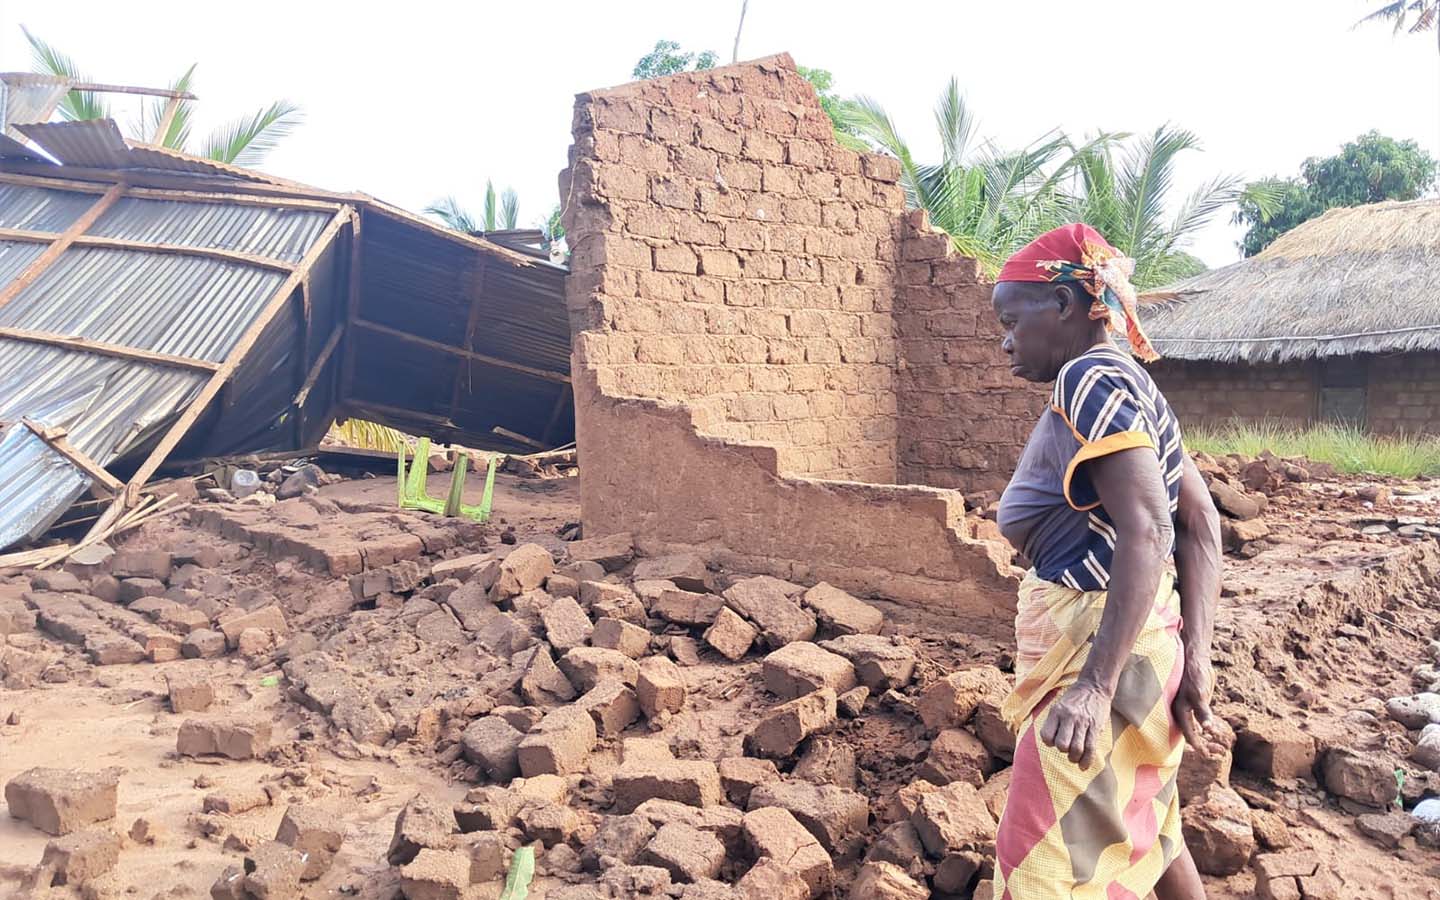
<point>1324,619</point>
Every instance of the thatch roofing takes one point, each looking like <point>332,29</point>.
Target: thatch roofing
<point>1355,280</point>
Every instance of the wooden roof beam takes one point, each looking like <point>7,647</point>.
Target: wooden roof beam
<point>109,243</point>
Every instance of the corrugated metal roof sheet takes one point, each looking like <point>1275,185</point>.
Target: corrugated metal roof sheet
<point>92,143</point>
<point>38,209</point>
<point>33,479</point>
<point>27,97</point>
<point>263,231</point>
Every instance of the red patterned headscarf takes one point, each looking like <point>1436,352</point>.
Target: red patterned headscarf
<point>1078,254</point>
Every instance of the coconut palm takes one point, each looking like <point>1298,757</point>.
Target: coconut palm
<point>243,142</point>
<point>1419,15</point>
<point>504,216</point>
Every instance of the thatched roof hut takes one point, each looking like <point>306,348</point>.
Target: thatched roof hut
<point>1353,281</point>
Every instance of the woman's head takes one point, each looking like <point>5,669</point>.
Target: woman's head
<point>1058,295</point>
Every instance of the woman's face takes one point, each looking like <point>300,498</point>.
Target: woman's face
<point>1037,322</point>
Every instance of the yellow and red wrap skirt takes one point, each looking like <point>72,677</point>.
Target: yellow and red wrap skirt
<point>1110,830</point>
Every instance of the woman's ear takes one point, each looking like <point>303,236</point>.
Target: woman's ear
<point>1067,300</point>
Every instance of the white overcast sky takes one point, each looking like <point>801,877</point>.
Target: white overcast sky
<point>413,100</point>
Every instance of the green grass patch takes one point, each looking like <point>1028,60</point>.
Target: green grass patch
<point>1348,449</point>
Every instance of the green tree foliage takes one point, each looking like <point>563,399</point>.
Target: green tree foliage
<point>500,213</point>
<point>244,142</point>
<point>845,131</point>
<point>667,59</point>
<point>1369,169</point>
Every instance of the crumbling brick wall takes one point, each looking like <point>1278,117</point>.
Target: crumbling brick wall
<point>963,417</point>
<point>1214,393</point>
<point>733,294</point>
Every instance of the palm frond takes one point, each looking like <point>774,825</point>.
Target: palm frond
<point>77,105</point>
<point>247,140</point>
<point>177,136</point>
<point>870,120</point>
<point>956,124</point>
<point>509,209</point>
<point>449,211</point>
<point>490,219</point>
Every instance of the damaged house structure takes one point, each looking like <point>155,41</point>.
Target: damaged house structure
<point>156,306</point>
<point>774,363</point>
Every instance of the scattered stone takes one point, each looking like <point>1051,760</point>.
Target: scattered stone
<point>235,800</point>
<point>852,702</point>
<point>836,816</point>
<point>898,845</point>
<point>59,581</point>
<point>131,590</point>
<point>659,687</point>
<point>1274,748</point>
<point>827,761</point>
<point>956,755</point>
<point>559,744</point>
<point>436,875</point>
<point>779,733</point>
<point>989,726</point>
<point>884,881</point>
<point>770,879</point>
<point>686,571</point>
<point>461,568</point>
<point>1294,875</point>
<point>1270,830</point>
<point>143,831</point>
<point>730,635</point>
<point>586,667</point>
<point>996,791</point>
<point>687,608</point>
<point>1198,771</point>
<point>523,569</point>
<point>422,824</point>
<point>1427,750</point>
<point>880,663</point>
<point>189,693</point>
<point>684,650</point>
<point>492,744</point>
<point>636,881</point>
<point>236,740</point>
<point>582,570</point>
<point>764,602</point>
<point>775,834</point>
<point>300,482</point>
<point>60,801</point>
<point>614,601</point>
<point>740,775</point>
<point>1363,777</point>
<point>269,618</point>
<point>953,819</point>
<point>621,636</point>
<point>203,643</point>
<point>613,706</point>
<point>1234,502</point>
<point>951,701</point>
<point>548,822</point>
<point>314,832</point>
<point>692,782</point>
<point>82,856</point>
<point>687,853</point>
<point>841,613</point>
<point>154,564</point>
<point>800,667</point>
<point>272,871</point>
<point>489,857</point>
<point>956,871</point>
<point>566,625</point>
<point>1234,536</point>
<point>1387,829</point>
<point>1218,831</point>
<point>558,585</point>
<point>1415,712</point>
<point>619,839</point>
<point>541,682</point>
<point>610,552</point>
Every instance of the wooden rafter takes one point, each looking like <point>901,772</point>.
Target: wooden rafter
<point>452,350</point>
<point>61,243</point>
<point>101,348</point>
<point>55,437</point>
<point>477,292</point>
<point>110,243</point>
<point>317,367</point>
<point>352,302</point>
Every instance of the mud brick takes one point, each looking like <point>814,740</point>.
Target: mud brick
<point>541,682</point>
<point>1275,749</point>
<point>613,706</point>
<point>953,819</point>
<point>721,821</point>
<point>1365,777</point>
<point>491,743</point>
<point>687,607</point>
<point>801,667</point>
<point>659,687</point>
<point>588,666</point>
<point>886,881</point>
<point>619,635</point>
<point>159,645</point>
<point>268,618</point>
<point>583,570</point>
<point>731,635</point>
<point>880,663</point>
<point>692,782</point>
<point>489,857</point>
<point>827,761</point>
<point>460,568</point>
<point>523,569</point>
<point>764,602</point>
<point>1218,831</point>
<point>422,824</point>
<point>235,740</point>
<point>687,853</point>
<point>951,701</point>
<point>272,872</point>
<point>740,775</point>
<point>315,832</point>
<point>203,644</point>
<point>904,802</point>
<point>60,801</point>
<point>684,650</point>
<point>774,833</point>
<point>686,571</point>
<point>79,857</point>
<point>770,879</point>
<point>381,552</point>
<point>779,733</point>
<point>141,564</point>
<point>189,692</point>
<point>956,755</point>
<point>566,625</point>
<point>990,728</point>
<point>1197,771</point>
<point>841,613</point>
<point>548,822</point>
<point>91,561</point>
<point>898,845</point>
<point>234,801</point>
<point>558,585</point>
<point>440,627</point>
<point>230,885</point>
<point>836,816</point>
<point>1295,875</point>
<point>110,648</point>
<point>132,589</point>
<point>340,558</point>
<point>611,552</point>
<point>560,744</point>
<point>489,808</point>
<point>15,617</point>
<point>613,601</point>
<point>621,838</point>
<point>60,581</point>
<point>636,749</point>
<point>182,619</point>
<point>502,634</point>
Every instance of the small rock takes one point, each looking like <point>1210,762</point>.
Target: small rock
<point>841,613</point>
<point>884,881</point>
<point>660,687</point>
<point>523,569</point>
<point>60,801</point>
<point>621,636</point>
<point>684,650</point>
<point>189,693</point>
<point>316,833</point>
<point>780,731</point>
<point>956,755</point>
<point>272,871</point>
<point>852,702</point>
<point>730,635</point>
<point>951,701</point>
<point>1362,777</point>
<point>1270,830</point>
<point>81,856</point>
<point>1218,831</point>
<point>143,831</point>
<point>1386,829</point>
<point>687,853</point>
<point>1415,712</point>
<point>800,667</point>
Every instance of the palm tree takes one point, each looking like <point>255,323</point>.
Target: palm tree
<point>243,142</point>
<point>506,217</point>
<point>1420,15</point>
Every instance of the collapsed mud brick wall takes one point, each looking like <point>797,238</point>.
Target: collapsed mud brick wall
<point>738,296</point>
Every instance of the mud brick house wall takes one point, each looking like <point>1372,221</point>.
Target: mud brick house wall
<point>765,344</point>
<point>1214,393</point>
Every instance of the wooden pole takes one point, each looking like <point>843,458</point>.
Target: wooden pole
<point>108,243</point>
<point>352,308</point>
<point>478,291</point>
<point>452,350</point>
<point>61,243</point>
<point>319,366</point>
<point>101,348</point>
<point>166,120</point>
<point>55,437</point>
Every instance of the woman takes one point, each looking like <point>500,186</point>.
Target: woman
<point>1107,678</point>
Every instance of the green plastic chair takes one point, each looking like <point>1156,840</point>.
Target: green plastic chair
<point>411,486</point>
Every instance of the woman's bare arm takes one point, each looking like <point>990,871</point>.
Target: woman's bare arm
<point>1197,561</point>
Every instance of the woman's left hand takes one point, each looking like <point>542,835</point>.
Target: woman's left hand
<point>1191,707</point>
<point>1074,722</point>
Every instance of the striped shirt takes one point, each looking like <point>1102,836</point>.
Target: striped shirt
<point>1103,402</point>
